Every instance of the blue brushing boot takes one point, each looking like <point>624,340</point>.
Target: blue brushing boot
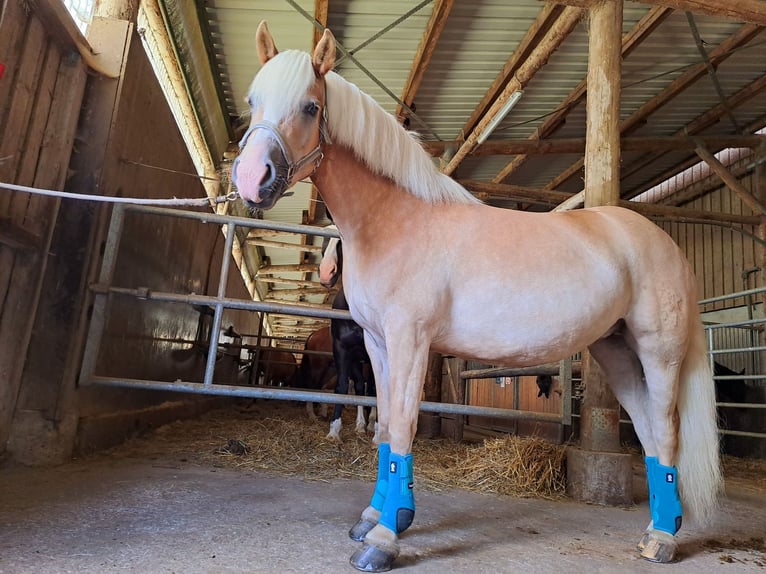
<point>371,514</point>
<point>399,510</point>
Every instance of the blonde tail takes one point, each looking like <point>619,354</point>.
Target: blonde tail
<point>700,479</point>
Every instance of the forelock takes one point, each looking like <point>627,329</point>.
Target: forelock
<point>281,83</point>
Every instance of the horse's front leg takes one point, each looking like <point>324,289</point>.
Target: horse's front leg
<point>393,500</point>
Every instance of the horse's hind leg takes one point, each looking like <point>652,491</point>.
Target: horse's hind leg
<point>626,376</point>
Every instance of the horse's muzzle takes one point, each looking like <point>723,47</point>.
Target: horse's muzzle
<point>273,184</point>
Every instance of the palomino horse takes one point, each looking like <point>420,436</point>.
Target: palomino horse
<point>429,266</point>
<point>348,351</point>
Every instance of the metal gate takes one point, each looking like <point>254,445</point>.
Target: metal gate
<point>104,290</point>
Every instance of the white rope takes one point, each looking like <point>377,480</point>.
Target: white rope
<point>201,202</point>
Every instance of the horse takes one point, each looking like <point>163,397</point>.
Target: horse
<point>277,367</point>
<point>317,372</point>
<point>349,353</point>
<point>429,266</point>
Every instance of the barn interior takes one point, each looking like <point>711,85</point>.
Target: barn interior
<point>137,290</point>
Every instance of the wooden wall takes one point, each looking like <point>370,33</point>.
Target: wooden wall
<point>64,127</point>
<point>719,255</point>
<point>502,393</point>
<point>40,98</point>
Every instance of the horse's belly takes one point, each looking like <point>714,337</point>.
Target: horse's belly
<point>523,337</point>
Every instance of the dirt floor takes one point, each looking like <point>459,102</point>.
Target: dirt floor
<point>179,501</point>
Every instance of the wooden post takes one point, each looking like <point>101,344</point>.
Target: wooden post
<point>598,472</point>
<point>429,424</point>
<point>759,190</point>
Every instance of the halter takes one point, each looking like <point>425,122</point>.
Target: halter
<point>316,155</point>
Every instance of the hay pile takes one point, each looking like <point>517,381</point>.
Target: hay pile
<point>278,437</point>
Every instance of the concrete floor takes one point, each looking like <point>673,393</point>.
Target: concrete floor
<point>116,514</point>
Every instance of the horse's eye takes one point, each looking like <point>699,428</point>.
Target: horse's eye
<point>311,109</point>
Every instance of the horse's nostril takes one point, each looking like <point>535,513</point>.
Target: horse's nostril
<point>269,175</point>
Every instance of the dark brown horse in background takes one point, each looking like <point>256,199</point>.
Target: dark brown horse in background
<point>351,359</point>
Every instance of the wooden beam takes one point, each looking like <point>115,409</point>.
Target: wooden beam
<point>577,145</point>
<point>702,122</point>
<point>428,41</point>
<point>285,281</point>
<point>563,26</point>
<point>321,8</point>
<point>542,23</point>
<point>750,11</point>
<point>517,192</point>
<point>320,15</point>
<point>719,54</point>
<point>283,245</point>
<point>630,42</point>
<point>62,29</point>
<point>558,198</point>
<point>294,268</point>
<point>731,181</point>
<point>706,185</point>
<point>694,215</point>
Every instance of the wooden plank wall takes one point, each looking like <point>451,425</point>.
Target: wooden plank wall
<point>719,255</point>
<point>41,92</point>
<point>491,393</point>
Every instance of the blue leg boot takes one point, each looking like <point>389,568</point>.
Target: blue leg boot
<point>381,546</point>
<point>399,510</point>
<point>371,514</point>
<point>658,544</point>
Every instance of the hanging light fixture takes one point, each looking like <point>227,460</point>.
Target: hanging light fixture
<point>499,116</point>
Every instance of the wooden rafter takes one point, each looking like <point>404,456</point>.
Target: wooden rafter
<point>729,179</point>
<point>630,42</point>
<point>284,245</point>
<point>749,11</point>
<point>294,268</point>
<point>552,197</point>
<point>704,121</point>
<point>741,37</point>
<point>558,32</point>
<point>422,59</point>
<point>540,26</point>
<point>705,186</point>
<point>321,8</point>
<point>577,145</point>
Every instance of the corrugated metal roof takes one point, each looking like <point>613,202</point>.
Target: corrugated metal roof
<point>478,39</point>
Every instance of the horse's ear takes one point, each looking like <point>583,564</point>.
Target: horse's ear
<point>265,43</point>
<point>324,54</point>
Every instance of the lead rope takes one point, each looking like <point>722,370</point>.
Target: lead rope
<point>200,202</point>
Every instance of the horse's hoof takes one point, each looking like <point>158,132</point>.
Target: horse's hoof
<point>373,559</point>
<point>360,529</point>
<point>658,546</point>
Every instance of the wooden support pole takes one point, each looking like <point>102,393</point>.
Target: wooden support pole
<point>598,471</point>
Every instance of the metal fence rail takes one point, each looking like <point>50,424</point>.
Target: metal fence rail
<point>104,288</point>
<point>742,343</point>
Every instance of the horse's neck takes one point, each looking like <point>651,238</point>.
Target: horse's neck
<point>358,199</point>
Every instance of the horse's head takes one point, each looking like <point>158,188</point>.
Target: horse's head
<point>283,143</point>
<point>332,261</point>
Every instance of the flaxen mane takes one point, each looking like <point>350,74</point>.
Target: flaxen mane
<point>358,122</point>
